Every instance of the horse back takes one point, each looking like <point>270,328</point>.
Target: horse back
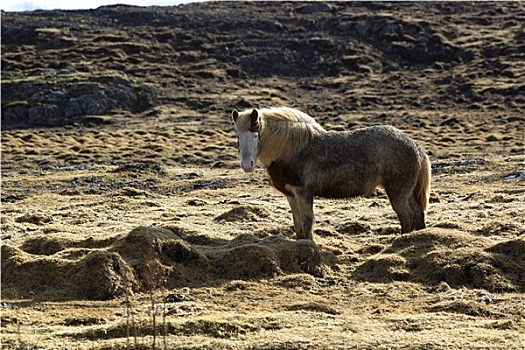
<point>378,145</point>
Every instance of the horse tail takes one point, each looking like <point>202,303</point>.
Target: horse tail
<point>422,189</point>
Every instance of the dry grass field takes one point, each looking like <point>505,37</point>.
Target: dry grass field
<point>134,228</point>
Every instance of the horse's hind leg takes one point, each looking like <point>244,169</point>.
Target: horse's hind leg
<point>404,213</point>
<point>419,214</point>
<point>401,205</point>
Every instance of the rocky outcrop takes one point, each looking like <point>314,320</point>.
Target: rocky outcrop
<point>50,97</point>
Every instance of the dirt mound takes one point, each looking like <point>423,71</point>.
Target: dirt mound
<point>435,255</point>
<point>247,212</point>
<point>98,275</point>
<point>145,259</point>
<point>268,257</point>
<point>471,308</point>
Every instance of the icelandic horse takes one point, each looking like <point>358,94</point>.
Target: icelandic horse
<point>304,160</point>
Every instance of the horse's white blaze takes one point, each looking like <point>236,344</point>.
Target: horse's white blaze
<point>248,148</point>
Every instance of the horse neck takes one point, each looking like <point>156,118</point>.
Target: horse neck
<point>280,144</point>
<point>269,151</point>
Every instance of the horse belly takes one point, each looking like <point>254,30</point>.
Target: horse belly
<point>344,184</point>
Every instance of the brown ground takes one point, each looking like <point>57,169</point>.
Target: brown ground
<point>130,224</point>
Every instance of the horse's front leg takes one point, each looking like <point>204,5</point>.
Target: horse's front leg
<point>295,215</point>
<point>301,203</point>
<point>307,217</point>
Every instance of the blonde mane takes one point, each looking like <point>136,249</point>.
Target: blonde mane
<point>283,132</point>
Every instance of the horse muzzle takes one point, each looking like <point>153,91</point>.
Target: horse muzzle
<point>248,166</point>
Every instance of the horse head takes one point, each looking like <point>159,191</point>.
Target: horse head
<point>247,128</point>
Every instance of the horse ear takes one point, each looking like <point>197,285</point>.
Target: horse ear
<point>254,118</point>
<point>235,115</point>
